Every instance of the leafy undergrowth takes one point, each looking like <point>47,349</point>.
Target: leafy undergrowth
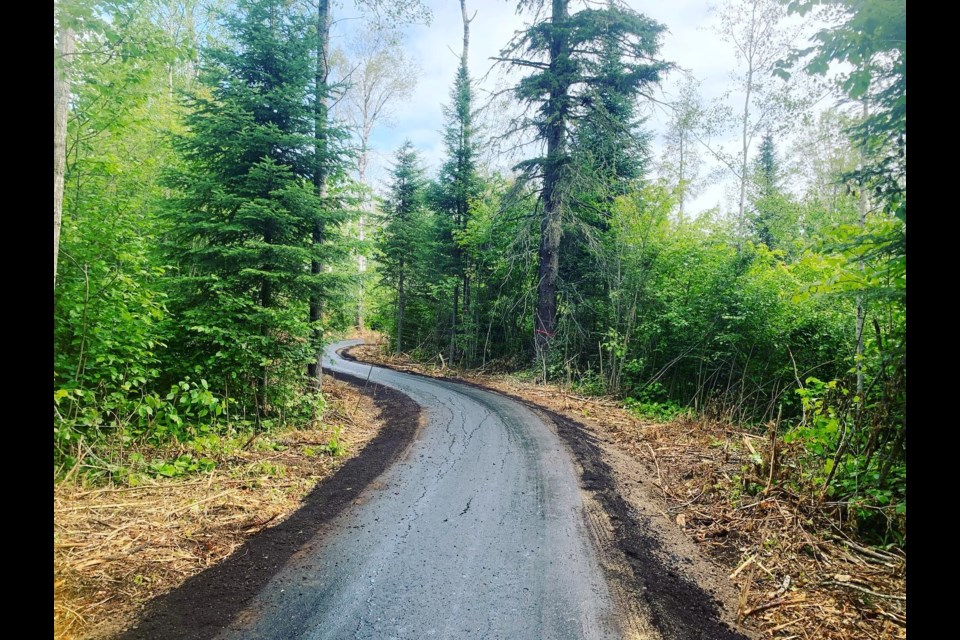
<point>800,567</point>
<point>119,545</point>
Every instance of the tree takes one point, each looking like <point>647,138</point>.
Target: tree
<point>242,225</point>
<point>378,13</point>
<point>565,53</point>
<point>402,244</point>
<point>108,300</point>
<point>320,171</point>
<point>376,75</point>
<point>870,37</point>
<point>867,49</point>
<point>755,29</point>
<point>458,181</point>
<point>681,162</point>
<point>767,195</point>
<point>61,101</point>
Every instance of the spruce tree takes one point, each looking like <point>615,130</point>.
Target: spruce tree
<point>566,52</point>
<point>403,242</point>
<point>242,224</point>
<point>458,184</point>
<point>768,202</point>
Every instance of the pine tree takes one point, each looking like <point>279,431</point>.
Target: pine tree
<point>458,182</point>
<point>610,151</point>
<point>566,53</point>
<point>772,212</point>
<point>403,243</point>
<point>609,155</point>
<point>242,226</point>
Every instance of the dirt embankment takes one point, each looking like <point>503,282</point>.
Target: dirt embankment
<point>179,558</point>
<point>679,502</point>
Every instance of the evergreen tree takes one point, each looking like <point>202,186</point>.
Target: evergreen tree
<point>403,243</point>
<point>609,153</point>
<point>458,183</point>
<point>242,227</point>
<point>609,149</point>
<point>566,53</point>
<point>766,178</point>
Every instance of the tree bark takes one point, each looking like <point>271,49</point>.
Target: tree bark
<point>61,107</point>
<point>744,157</point>
<point>401,303</point>
<point>861,309</point>
<point>545,322</point>
<point>453,324</point>
<point>460,221</point>
<point>315,369</point>
<point>466,31</point>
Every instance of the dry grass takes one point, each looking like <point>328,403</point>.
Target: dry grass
<point>117,547</point>
<point>800,573</point>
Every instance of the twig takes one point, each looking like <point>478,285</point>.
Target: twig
<point>743,566</point>
<point>780,627</point>
<point>657,463</point>
<point>141,487</point>
<point>250,441</point>
<point>744,594</point>
<point>199,502</point>
<point>769,605</point>
<point>262,524</point>
<point>863,589</point>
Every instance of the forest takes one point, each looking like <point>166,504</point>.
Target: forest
<point>217,221</point>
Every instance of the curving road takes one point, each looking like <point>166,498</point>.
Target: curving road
<point>478,532</point>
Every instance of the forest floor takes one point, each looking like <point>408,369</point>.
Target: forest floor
<point>796,570</point>
<point>116,548</point>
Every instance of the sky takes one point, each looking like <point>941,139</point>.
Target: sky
<point>690,42</point>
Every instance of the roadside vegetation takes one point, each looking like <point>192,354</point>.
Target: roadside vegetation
<point>797,562</point>
<point>215,226</point>
<point>117,544</point>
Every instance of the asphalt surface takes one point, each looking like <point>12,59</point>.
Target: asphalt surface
<point>477,533</point>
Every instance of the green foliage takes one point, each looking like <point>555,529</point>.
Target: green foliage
<point>182,266</point>
<point>242,225</point>
<point>202,261</point>
<point>846,461</point>
<point>109,302</point>
<point>657,411</point>
<point>406,248</point>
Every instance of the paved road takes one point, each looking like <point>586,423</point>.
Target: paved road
<point>477,533</point>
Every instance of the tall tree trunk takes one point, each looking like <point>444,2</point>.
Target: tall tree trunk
<point>545,323</point>
<point>365,206</point>
<point>460,221</point>
<point>466,31</point>
<point>453,325</point>
<point>683,187</point>
<point>745,150</point>
<point>361,264</point>
<point>61,107</point>
<point>744,157</point>
<point>401,304</point>
<point>315,369</point>
<point>861,221</point>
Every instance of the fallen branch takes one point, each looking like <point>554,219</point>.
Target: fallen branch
<point>770,605</point>
<point>663,487</point>
<point>742,566</point>
<point>199,502</point>
<point>863,589</point>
